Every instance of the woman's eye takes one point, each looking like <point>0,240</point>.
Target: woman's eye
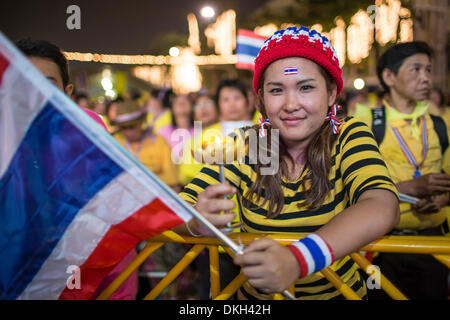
<point>275,90</point>
<point>306,88</point>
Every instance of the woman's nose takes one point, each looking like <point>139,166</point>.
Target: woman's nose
<point>292,102</point>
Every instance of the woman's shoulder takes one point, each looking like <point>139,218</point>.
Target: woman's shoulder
<point>351,124</point>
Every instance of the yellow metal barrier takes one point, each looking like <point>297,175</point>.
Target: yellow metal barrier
<point>438,247</point>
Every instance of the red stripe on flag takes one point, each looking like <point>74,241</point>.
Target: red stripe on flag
<point>145,223</point>
<point>151,220</point>
<point>4,63</point>
<point>248,33</point>
<point>246,66</point>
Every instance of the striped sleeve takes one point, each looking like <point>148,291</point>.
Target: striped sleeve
<point>209,175</point>
<point>362,166</point>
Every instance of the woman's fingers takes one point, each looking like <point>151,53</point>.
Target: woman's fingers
<point>211,204</point>
<point>220,219</point>
<point>260,245</point>
<point>218,205</point>
<point>250,258</point>
<point>218,191</point>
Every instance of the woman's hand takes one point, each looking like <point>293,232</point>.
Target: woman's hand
<point>211,203</point>
<point>269,266</point>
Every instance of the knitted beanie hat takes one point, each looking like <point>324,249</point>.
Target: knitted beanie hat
<point>298,42</point>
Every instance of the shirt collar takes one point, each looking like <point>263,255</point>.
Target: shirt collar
<point>393,114</point>
<point>396,118</point>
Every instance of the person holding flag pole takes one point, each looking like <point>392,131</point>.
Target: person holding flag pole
<point>326,179</point>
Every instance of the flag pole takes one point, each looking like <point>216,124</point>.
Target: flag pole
<point>237,249</point>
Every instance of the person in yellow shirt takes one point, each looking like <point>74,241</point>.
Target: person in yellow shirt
<point>155,154</point>
<point>158,109</point>
<point>412,146</point>
<point>235,112</point>
<point>151,150</point>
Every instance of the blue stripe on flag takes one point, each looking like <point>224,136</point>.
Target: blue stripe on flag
<point>316,252</point>
<point>247,49</point>
<point>53,174</point>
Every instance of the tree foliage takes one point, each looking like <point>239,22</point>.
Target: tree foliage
<point>306,12</point>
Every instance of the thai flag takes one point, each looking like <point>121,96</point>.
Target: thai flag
<point>290,70</point>
<point>248,45</point>
<point>70,196</point>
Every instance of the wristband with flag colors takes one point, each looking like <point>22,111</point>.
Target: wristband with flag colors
<point>313,254</point>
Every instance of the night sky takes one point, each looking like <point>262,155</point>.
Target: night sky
<point>116,27</point>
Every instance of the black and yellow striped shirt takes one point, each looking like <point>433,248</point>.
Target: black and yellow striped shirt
<point>357,166</point>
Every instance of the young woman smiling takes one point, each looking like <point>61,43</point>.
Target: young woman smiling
<point>332,187</point>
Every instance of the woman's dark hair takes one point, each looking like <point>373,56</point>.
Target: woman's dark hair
<point>394,57</point>
<point>45,49</point>
<point>318,161</point>
<point>191,115</point>
<point>165,95</point>
<point>230,83</point>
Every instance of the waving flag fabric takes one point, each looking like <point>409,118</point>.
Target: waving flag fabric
<point>70,195</point>
<point>248,45</point>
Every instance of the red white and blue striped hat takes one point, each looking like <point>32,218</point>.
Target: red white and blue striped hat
<point>298,42</point>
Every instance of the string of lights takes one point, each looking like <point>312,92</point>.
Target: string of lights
<point>151,60</point>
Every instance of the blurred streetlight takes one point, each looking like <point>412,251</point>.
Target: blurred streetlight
<point>359,84</point>
<point>207,12</point>
<point>107,84</point>
<point>174,52</point>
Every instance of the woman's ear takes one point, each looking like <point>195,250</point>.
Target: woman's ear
<point>332,95</point>
<point>261,100</point>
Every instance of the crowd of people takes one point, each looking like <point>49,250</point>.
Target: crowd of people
<point>344,157</point>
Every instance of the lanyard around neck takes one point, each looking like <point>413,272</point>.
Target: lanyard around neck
<point>407,152</point>
<point>138,149</point>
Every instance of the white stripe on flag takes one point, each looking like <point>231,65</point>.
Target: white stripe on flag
<point>18,109</point>
<point>245,58</point>
<point>113,204</point>
<point>323,247</point>
<point>307,255</point>
<point>250,41</point>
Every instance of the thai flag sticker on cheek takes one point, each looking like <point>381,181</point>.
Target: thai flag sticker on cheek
<point>290,70</point>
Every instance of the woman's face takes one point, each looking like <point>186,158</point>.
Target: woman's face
<point>181,106</point>
<point>205,111</point>
<point>233,105</point>
<point>297,103</point>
